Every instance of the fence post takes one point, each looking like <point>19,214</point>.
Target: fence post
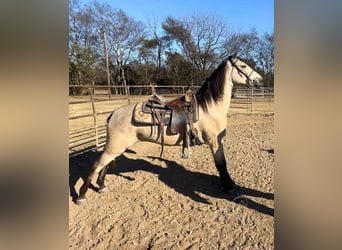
<point>248,94</point>
<point>269,99</point>
<point>129,96</point>
<point>95,120</point>
<point>252,100</point>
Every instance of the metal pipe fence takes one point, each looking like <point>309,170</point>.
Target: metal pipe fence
<point>89,109</point>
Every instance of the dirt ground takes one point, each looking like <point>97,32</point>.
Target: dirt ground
<point>175,203</point>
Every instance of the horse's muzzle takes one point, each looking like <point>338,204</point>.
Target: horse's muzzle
<point>253,83</point>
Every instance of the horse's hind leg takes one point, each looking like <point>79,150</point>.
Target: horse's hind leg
<point>98,166</point>
<point>101,178</point>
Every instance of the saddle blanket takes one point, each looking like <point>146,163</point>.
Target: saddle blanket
<point>144,118</point>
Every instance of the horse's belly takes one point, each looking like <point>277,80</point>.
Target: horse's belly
<point>151,134</point>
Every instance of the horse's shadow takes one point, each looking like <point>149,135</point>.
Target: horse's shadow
<point>79,167</point>
<point>186,182</point>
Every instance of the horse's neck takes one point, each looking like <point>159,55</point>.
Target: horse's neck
<point>217,110</point>
<point>223,104</point>
<point>227,94</point>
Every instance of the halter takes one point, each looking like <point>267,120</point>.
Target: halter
<point>249,81</point>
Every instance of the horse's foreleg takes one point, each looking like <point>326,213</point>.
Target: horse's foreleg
<point>98,166</point>
<point>216,146</point>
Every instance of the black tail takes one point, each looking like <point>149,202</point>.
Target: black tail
<point>110,116</point>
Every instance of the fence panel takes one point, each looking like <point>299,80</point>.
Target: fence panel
<point>252,100</point>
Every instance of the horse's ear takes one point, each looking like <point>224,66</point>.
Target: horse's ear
<point>234,55</point>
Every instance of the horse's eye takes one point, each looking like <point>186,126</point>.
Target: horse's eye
<point>243,66</point>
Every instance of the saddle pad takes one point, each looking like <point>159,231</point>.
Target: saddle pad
<point>143,118</point>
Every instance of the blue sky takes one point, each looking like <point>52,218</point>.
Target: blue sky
<point>240,15</point>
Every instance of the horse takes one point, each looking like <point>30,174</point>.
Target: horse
<point>213,99</point>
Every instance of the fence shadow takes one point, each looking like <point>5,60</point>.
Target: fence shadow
<point>186,182</point>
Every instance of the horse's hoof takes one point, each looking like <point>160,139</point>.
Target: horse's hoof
<point>81,201</point>
<point>102,190</point>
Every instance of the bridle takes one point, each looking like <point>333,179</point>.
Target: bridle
<point>249,81</point>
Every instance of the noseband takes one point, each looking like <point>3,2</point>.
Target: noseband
<point>249,81</point>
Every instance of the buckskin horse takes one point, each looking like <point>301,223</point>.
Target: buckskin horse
<point>190,119</point>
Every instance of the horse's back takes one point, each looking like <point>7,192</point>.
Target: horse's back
<point>121,115</point>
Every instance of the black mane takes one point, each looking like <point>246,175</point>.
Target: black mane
<point>213,87</point>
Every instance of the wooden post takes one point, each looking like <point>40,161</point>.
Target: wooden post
<point>269,100</point>
<point>248,98</point>
<point>94,116</point>
<point>252,100</point>
<point>94,93</point>
<point>129,96</point>
<point>107,60</point>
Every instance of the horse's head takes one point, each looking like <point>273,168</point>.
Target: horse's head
<point>242,73</point>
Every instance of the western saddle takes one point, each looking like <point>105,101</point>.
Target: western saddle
<point>178,114</point>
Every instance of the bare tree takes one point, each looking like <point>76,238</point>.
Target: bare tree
<point>147,59</point>
<point>200,38</point>
<point>157,43</point>
<point>185,50</point>
<point>265,52</point>
<point>82,59</point>
<point>244,44</point>
<point>124,34</point>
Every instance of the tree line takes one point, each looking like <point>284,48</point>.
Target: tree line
<point>105,44</point>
